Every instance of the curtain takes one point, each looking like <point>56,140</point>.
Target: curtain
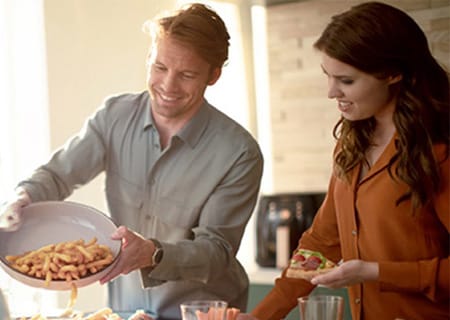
<point>24,138</point>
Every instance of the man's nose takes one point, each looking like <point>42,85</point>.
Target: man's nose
<point>169,82</point>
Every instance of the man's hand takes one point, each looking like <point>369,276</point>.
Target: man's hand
<point>136,253</point>
<point>11,211</point>
<point>348,273</point>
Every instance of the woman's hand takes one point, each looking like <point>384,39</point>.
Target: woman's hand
<point>348,273</point>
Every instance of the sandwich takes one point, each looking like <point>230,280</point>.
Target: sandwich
<point>306,264</point>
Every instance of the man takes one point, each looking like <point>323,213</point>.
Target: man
<point>182,179</point>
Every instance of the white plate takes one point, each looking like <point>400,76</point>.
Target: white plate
<point>51,222</point>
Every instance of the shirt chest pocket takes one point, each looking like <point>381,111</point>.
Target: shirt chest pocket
<point>125,199</point>
<point>171,211</point>
<point>127,191</point>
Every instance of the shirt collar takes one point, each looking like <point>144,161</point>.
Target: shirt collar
<point>382,162</point>
<point>148,119</point>
<point>192,131</point>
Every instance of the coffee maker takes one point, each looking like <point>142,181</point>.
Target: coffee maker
<point>281,220</point>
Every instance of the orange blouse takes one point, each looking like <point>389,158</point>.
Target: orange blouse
<point>362,221</point>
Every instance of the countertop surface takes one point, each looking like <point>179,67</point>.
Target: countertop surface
<point>260,275</point>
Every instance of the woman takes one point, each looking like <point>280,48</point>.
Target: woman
<point>386,214</point>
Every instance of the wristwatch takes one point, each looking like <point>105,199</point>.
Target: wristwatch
<point>157,254</point>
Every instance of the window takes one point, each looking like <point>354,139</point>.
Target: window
<point>23,118</point>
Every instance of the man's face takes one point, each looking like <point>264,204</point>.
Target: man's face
<point>177,79</point>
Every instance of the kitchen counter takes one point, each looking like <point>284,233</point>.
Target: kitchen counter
<point>260,275</point>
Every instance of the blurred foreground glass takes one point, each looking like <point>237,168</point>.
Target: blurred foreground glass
<point>4,312</point>
<point>321,307</point>
<point>204,310</point>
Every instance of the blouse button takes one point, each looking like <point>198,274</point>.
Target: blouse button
<point>354,232</point>
<point>357,301</point>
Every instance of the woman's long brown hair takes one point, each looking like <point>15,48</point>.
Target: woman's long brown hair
<point>384,41</point>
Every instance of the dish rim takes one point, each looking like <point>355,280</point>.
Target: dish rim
<point>60,282</point>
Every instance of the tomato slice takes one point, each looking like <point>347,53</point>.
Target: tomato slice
<point>312,263</point>
<point>298,257</point>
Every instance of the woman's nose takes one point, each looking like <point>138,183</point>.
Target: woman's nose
<point>333,90</point>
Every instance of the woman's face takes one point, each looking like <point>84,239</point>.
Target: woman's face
<point>359,94</point>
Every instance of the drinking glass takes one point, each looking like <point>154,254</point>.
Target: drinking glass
<point>321,307</point>
<point>4,311</point>
<point>204,310</point>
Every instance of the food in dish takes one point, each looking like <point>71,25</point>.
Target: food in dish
<point>52,222</point>
<point>70,260</point>
<point>306,264</point>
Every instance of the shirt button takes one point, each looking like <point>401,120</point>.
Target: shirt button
<point>357,301</point>
<point>354,232</point>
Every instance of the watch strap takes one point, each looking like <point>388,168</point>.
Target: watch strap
<point>158,253</point>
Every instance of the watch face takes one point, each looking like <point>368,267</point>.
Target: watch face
<point>157,256</point>
<point>158,253</point>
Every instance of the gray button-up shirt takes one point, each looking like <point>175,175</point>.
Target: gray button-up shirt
<point>196,196</point>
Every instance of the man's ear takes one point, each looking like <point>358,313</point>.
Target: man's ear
<point>214,76</point>
<point>395,78</point>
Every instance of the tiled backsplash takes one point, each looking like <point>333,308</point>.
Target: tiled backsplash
<point>302,117</point>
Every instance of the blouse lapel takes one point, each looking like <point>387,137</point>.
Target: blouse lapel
<point>382,162</point>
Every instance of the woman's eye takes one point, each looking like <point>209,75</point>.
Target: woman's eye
<point>347,81</point>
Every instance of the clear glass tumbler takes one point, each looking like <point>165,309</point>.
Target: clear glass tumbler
<point>204,310</point>
<point>321,307</point>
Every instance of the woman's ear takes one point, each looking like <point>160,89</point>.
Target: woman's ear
<point>214,76</point>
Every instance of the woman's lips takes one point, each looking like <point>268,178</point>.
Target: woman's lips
<point>344,106</point>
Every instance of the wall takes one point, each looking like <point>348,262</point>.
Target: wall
<point>302,117</point>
